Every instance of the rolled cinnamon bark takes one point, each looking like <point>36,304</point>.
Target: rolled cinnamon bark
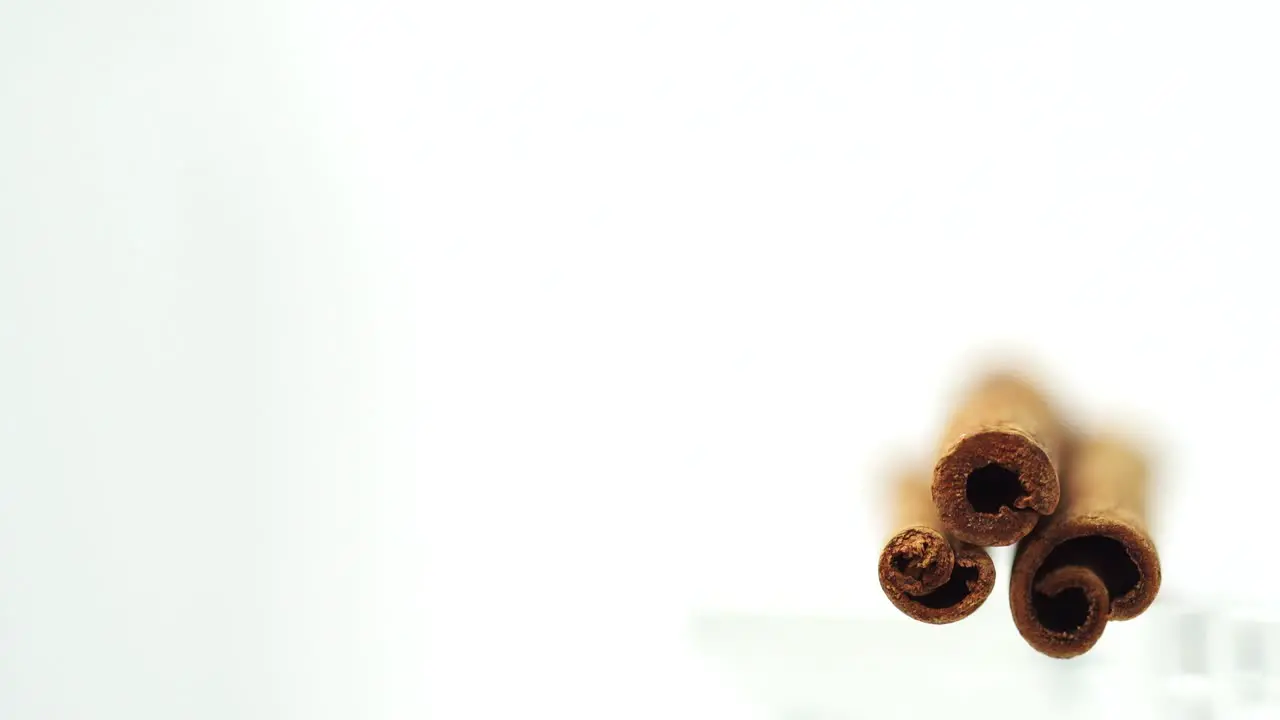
<point>1094,560</point>
<point>923,571</point>
<point>997,471</point>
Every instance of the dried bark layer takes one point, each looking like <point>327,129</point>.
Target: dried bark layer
<point>997,471</point>
<point>1094,560</point>
<point>923,571</point>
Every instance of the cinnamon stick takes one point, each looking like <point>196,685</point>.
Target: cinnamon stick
<point>1094,560</point>
<point>997,472</point>
<point>923,571</point>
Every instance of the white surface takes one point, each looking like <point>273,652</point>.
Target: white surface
<point>382,359</point>
<point>1180,660</point>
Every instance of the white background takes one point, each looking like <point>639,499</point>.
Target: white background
<point>384,359</point>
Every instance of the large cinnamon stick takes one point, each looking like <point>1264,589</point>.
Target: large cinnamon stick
<point>923,571</point>
<point>1094,560</point>
<point>997,473</point>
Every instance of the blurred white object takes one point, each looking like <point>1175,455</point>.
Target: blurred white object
<point>1175,661</point>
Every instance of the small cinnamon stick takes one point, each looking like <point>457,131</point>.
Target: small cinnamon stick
<point>923,571</point>
<point>997,472</point>
<point>1094,560</point>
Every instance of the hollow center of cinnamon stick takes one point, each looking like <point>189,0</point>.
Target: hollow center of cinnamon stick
<point>952,591</point>
<point>992,487</point>
<point>1105,556</point>
<point>1062,613</point>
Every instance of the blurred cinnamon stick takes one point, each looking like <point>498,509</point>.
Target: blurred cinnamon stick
<point>1094,560</point>
<point>997,471</point>
<point>923,571</point>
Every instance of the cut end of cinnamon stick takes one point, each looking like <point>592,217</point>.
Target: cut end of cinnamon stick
<point>992,487</point>
<point>996,474</point>
<point>918,560</point>
<point>929,580</point>
<point>1070,606</point>
<point>1087,571</point>
<point>1093,561</point>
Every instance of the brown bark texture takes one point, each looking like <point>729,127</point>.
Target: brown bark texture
<point>923,571</point>
<point>1093,560</point>
<point>997,469</point>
